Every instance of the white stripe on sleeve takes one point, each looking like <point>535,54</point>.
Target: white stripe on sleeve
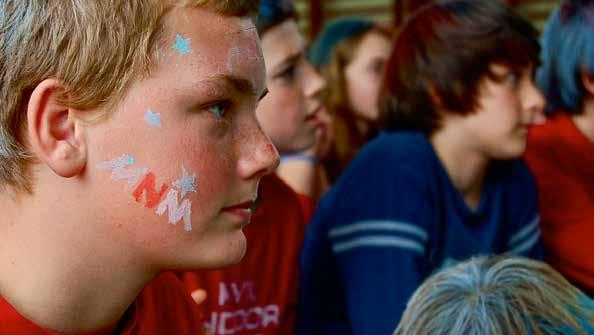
<point>527,244</point>
<point>525,232</point>
<point>379,225</point>
<point>379,242</point>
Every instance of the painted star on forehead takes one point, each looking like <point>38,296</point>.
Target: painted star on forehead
<point>182,45</point>
<point>153,119</point>
<point>186,184</point>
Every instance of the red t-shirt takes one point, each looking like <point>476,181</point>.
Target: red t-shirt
<point>259,295</point>
<point>561,158</point>
<point>163,307</point>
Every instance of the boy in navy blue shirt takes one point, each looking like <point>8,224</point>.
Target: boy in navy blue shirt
<point>445,183</point>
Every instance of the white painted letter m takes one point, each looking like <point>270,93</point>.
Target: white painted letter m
<point>176,211</point>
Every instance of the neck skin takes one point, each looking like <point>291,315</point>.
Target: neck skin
<point>585,120</point>
<point>60,269</point>
<point>465,166</point>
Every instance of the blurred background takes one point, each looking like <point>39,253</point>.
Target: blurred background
<point>314,14</point>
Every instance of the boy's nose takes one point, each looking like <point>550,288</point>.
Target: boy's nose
<point>314,83</point>
<point>535,104</point>
<point>259,158</point>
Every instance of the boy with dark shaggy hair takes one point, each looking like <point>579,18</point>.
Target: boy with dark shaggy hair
<point>445,183</point>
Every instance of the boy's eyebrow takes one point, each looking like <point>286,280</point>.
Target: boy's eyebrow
<point>291,59</point>
<point>238,84</point>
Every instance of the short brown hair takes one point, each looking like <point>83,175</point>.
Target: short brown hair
<point>97,48</point>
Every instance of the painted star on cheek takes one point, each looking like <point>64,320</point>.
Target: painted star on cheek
<point>186,184</point>
<point>182,45</point>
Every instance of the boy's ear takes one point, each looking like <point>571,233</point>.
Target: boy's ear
<point>55,135</point>
<point>588,82</point>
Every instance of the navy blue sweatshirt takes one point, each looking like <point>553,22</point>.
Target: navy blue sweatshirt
<point>391,220</point>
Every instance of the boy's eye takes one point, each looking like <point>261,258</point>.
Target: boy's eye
<point>219,109</point>
<point>513,77</point>
<point>290,73</point>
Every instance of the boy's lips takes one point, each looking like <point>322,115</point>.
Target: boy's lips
<point>242,211</point>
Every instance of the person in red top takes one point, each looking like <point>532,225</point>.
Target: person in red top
<point>560,152</point>
<point>259,295</point>
<point>129,145</point>
<point>163,307</point>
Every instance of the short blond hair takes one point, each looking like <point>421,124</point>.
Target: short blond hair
<point>497,296</point>
<point>96,47</point>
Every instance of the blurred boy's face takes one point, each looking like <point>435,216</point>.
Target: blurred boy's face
<point>176,167</point>
<point>288,113</point>
<point>506,106</point>
<point>364,75</point>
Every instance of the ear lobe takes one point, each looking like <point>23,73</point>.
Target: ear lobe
<point>588,82</point>
<point>56,137</point>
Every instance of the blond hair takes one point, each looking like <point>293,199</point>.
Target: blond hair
<point>96,47</point>
<point>497,296</point>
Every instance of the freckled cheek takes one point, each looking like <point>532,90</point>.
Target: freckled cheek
<point>214,165</point>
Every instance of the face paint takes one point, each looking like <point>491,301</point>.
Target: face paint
<point>232,55</point>
<point>182,45</point>
<point>153,119</point>
<point>186,184</point>
<point>147,186</point>
<point>120,170</point>
<point>176,211</point>
<point>117,163</point>
<point>235,55</point>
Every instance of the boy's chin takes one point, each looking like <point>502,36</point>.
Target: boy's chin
<point>511,151</point>
<point>298,144</point>
<point>228,255</point>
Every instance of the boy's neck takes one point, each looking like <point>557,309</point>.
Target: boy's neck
<point>585,120</point>
<point>55,275</point>
<point>465,167</point>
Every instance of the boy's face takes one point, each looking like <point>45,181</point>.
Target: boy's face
<point>506,107</point>
<point>175,168</point>
<point>288,113</point>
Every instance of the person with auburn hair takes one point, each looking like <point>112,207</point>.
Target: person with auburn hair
<point>560,152</point>
<point>444,183</point>
<point>352,54</point>
<point>129,145</point>
<point>497,296</point>
<point>259,295</point>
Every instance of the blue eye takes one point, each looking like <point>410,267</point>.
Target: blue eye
<point>219,109</point>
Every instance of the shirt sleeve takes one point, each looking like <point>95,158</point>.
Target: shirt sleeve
<point>524,237</point>
<point>365,252</point>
